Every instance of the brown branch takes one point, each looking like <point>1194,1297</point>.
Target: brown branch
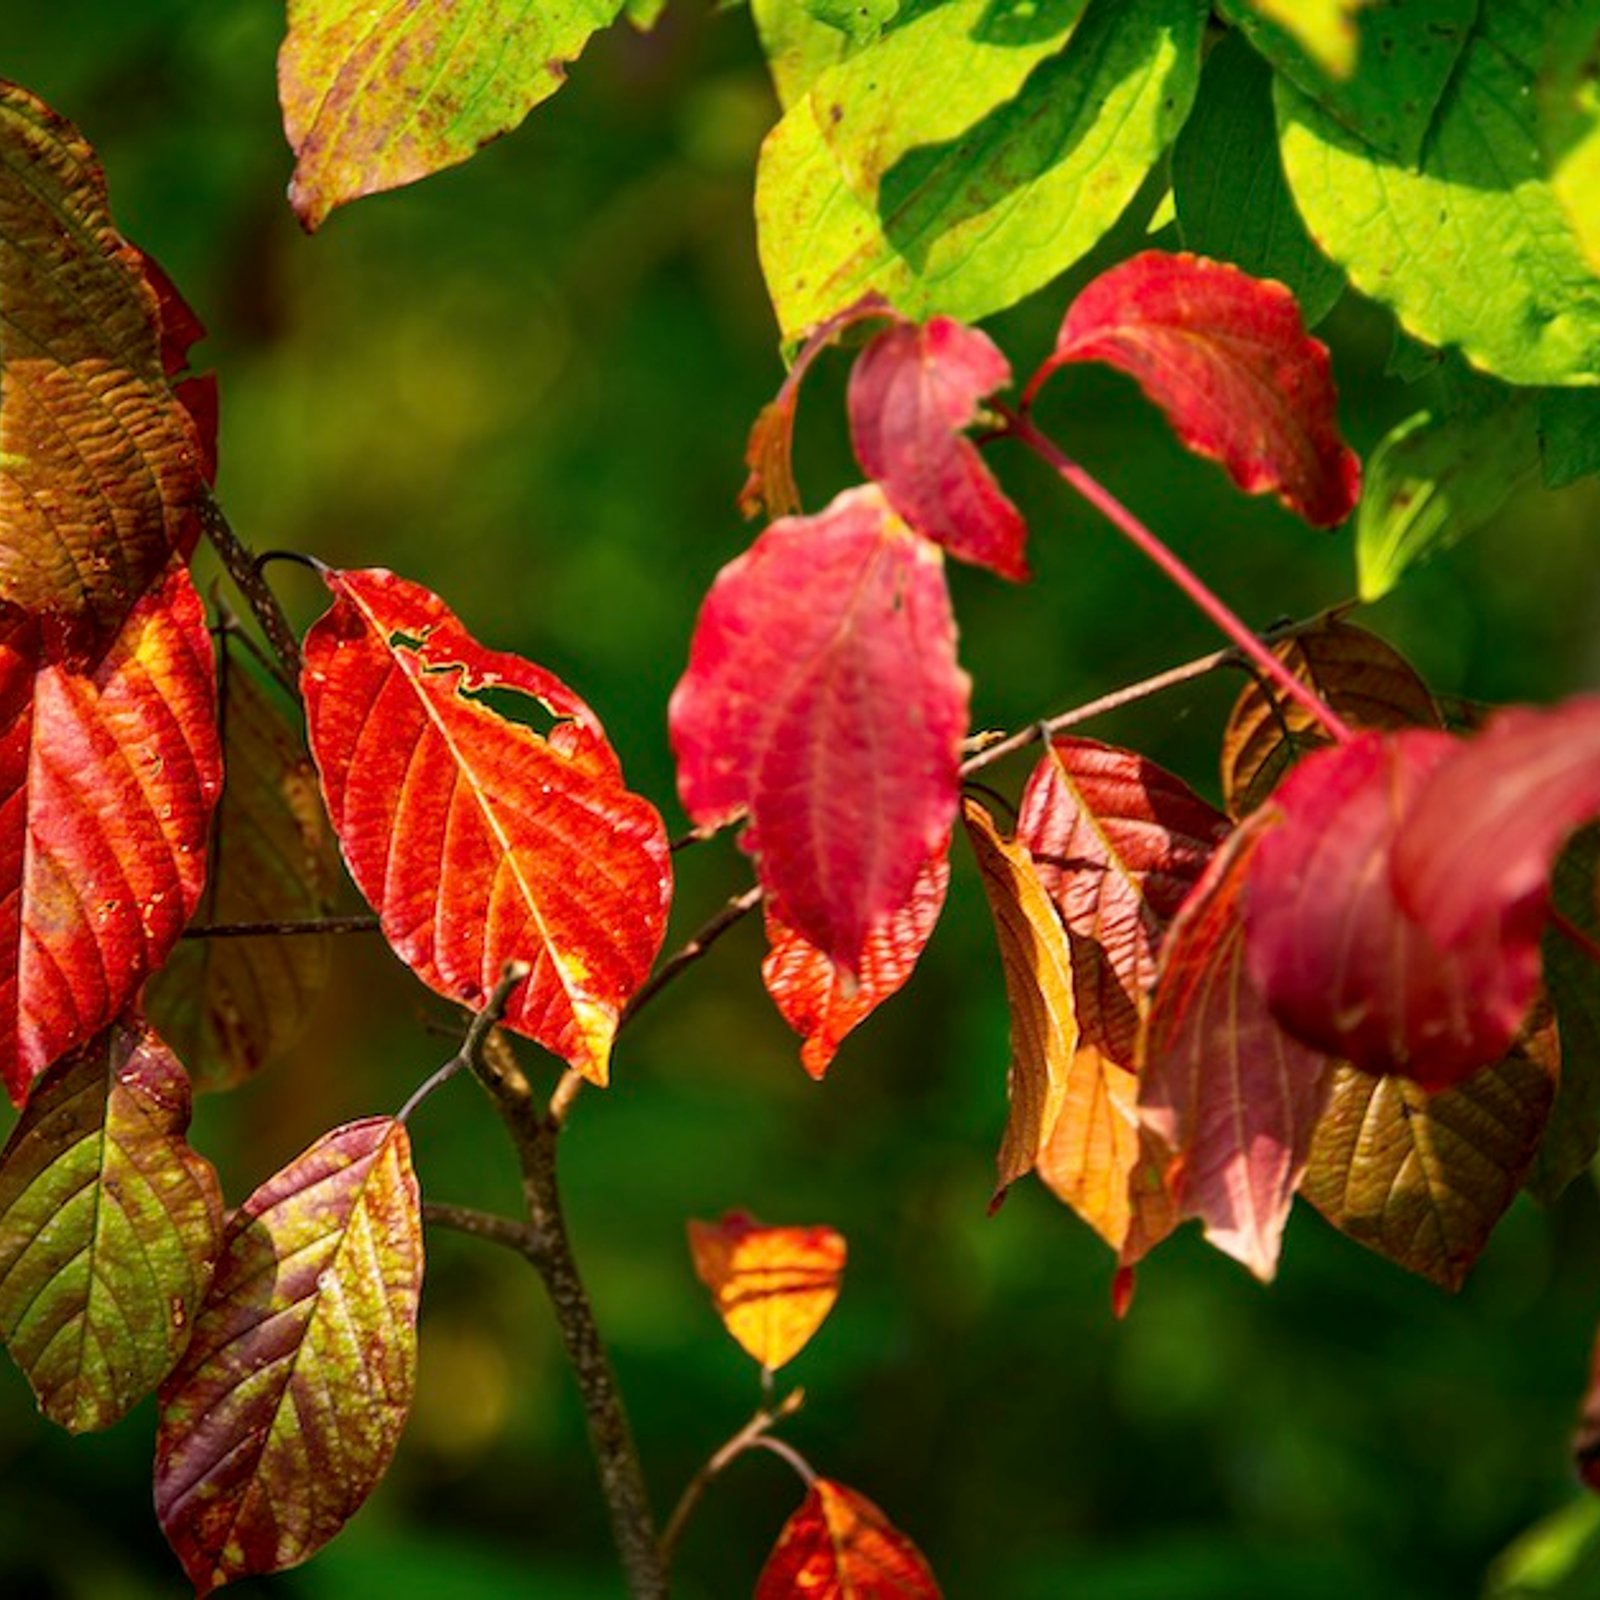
<point>747,1438</point>
<point>490,1225</point>
<point>264,930</point>
<point>476,1041</point>
<point>680,961</point>
<point>257,593</point>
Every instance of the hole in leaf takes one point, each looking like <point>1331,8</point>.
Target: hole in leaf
<point>515,706</point>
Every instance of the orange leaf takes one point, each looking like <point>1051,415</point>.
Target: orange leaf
<point>772,1287</point>
<point>840,1546</point>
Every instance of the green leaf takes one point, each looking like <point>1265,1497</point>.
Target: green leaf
<point>376,97</point>
<point>228,1006</point>
<point>1403,58</point>
<point>1558,1558</point>
<point>1433,480</point>
<point>109,1225</point>
<point>1423,1178</point>
<point>645,14</point>
<point>955,167</point>
<point>861,20</point>
<point>1569,118</point>
<point>1471,249</point>
<point>1573,981</point>
<point>1569,435</point>
<point>1229,188</point>
<point>288,1403</point>
<point>1322,29</point>
<point>798,47</point>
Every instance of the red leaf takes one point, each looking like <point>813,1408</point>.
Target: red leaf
<point>823,700</point>
<point>181,330</point>
<point>476,839</point>
<point>288,1403</point>
<point>912,391</point>
<point>107,782</point>
<point>840,1546</point>
<point>1341,962</point>
<point>1232,1096</point>
<point>1118,843</point>
<point>820,1000</point>
<point>1228,359</point>
<point>769,453</point>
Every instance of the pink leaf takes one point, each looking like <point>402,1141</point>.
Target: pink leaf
<point>1232,1096</point>
<point>1228,359</point>
<point>912,391</point>
<point>1341,962</point>
<point>824,702</point>
<point>822,1001</point>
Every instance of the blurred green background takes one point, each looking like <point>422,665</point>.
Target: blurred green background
<point>526,383</point>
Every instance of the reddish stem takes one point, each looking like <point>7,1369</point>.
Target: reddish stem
<point>1577,937</point>
<point>1021,428</point>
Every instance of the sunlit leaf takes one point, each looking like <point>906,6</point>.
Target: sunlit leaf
<point>912,392</point>
<point>109,1226</point>
<point>1558,1558</point>
<point>1569,117</point>
<point>1433,480</point>
<point>1365,680</point>
<point>101,469</point>
<point>289,1401</point>
<point>821,1001</point>
<point>477,839</point>
<point>1470,247</point>
<point>229,1005</point>
<point>1227,358</point>
<point>840,1546</point>
<point>1231,198</point>
<point>1044,1028</point>
<point>376,97</point>
<point>823,701</point>
<point>107,782</point>
<point>1402,52</point>
<point>1423,1178</point>
<point>1232,1097</point>
<point>961,192</point>
<point>772,1287</point>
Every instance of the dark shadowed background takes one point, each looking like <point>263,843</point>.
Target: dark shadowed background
<point>526,383</point>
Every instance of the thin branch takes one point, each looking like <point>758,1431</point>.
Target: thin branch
<point>745,1439</point>
<point>1022,429</point>
<point>262,930</point>
<point>490,1225</point>
<point>257,592</point>
<point>1579,938</point>
<point>808,1473</point>
<point>472,1047</point>
<point>729,916</point>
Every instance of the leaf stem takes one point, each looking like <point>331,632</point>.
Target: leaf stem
<point>472,1047</point>
<point>808,1473</point>
<point>257,592</point>
<point>1579,938</point>
<point>747,1438</point>
<point>1021,428</point>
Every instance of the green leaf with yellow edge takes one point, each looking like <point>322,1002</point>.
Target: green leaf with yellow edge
<point>379,95</point>
<point>799,48</point>
<point>1435,479</point>
<point>1569,435</point>
<point>109,1226</point>
<point>289,1401</point>
<point>1472,247</point>
<point>230,1005</point>
<point>961,192</point>
<point>1402,55</point>
<point>1422,1179</point>
<point>1324,30</point>
<point>1229,189</point>
<point>1573,980</point>
<point>1039,992</point>
<point>1569,118</point>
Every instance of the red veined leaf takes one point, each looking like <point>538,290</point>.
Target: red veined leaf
<point>770,451</point>
<point>107,782</point>
<point>772,1287</point>
<point>1369,683</point>
<point>821,1001</point>
<point>181,330</point>
<point>478,840</point>
<point>1118,843</point>
<point>840,1546</point>
<point>823,701</point>
<point>100,465</point>
<point>288,1403</point>
<point>1228,359</point>
<point>1341,962</point>
<point>1039,996</point>
<point>109,1227</point>
<point>912,391</point>
<point>1423,1178</point>
<point>1233,1098</point>
<point>230,1005</point>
